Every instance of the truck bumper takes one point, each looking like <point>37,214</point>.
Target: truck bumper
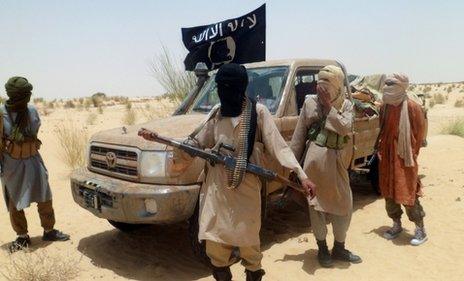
<point>130,202</point>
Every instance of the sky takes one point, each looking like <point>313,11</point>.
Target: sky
<point>77,48</point>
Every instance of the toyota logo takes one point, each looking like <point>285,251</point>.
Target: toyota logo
<point>111,159</point>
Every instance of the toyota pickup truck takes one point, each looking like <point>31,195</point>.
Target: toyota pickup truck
<point>131,182</point>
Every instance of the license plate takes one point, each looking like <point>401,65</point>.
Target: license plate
<point>90,199</point>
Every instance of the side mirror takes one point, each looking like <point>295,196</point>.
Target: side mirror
<point>201,70</point>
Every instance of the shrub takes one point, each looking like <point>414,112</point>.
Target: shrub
<point>170,74</point>
<point>459,103</point>
<point>431,103</point>
<point>455,127</point>
<point>38,100</point>
<point>439,99</point>
<point>69,104</point>
<point>92,119</point>
<point>73,142</point>
<point>40,266</point>
<point>427,89</point>
<point>87,103</point>
<point>97,99</point>
<point>128,105</point>
<point>129,117</point>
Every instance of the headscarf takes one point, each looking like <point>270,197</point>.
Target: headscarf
<point>331,77</point>
<point>19,92</point>
<point>394,93</point>
<point>232,81</point>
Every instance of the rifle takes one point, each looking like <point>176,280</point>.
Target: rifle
<point>382,117</point>
<point>216,157</point>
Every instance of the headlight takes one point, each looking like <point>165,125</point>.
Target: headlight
<point>153,164</point>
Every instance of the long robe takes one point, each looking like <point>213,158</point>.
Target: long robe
<point>397,181</point>
<point>327,168</point>
<point>24,181</point>
<point>233,217</point>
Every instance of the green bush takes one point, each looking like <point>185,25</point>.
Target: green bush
<point>455,127</point>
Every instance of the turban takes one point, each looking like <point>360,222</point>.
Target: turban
<point>394,91</point>
<point>232,81</point>
<point>18,90</point>
<point>394,94</point>
<point>332,79</point>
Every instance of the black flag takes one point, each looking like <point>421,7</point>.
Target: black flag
<point>239,40</point>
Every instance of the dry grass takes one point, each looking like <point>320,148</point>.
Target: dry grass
<point>128,105</point>
<point>171,75</point>
<point>129,117</point>
<point>439,98</point>
<point>459,103</point>
<point>91,119</point>
<point>40,266</point>
<point>454,127</point>
<point>73,143</point>
<point>38,100</point>
<point>162,108</point>
<point>69,104</point>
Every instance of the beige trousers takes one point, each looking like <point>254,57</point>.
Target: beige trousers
<point>319,220</point>
<point>19,222</point>
<point>220,255</point>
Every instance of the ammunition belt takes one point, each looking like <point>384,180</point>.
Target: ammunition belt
<point>22,150</point>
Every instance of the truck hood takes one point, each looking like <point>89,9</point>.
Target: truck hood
<point>174,127</point>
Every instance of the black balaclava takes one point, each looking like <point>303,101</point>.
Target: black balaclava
<point>232,81</point>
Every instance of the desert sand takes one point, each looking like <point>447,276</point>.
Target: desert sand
<point>163,253</point>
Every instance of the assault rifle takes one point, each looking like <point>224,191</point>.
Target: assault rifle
<point>216,157</point>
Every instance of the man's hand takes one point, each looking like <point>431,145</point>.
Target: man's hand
<point>324,99</point>
<point>147,134</point>
<point>309,187</point>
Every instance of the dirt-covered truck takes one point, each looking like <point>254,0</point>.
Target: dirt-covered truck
<point>132,182</point>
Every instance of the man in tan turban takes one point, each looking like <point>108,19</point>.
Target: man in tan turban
<point>323,139</point>
<point>399,144</point>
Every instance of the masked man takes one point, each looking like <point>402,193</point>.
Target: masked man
<point>24,176</point>
<point>322,139</point>
<point>399,144</point>
<point>230,200</point>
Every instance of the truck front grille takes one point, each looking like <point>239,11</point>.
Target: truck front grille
<point>117,162</point>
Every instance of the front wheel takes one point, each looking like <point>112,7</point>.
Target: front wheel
<point>374,175</point>
<point>126,227</point>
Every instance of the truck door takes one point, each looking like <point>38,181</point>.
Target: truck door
<point>303,83</point>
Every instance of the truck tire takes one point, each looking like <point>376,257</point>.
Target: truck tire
<point>126,227</point>
<point>198,248</point>
<point>374,176</point>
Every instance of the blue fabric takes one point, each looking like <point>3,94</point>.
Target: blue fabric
<point>24,181</point>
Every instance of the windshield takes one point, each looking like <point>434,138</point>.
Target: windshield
<point>266,86</point>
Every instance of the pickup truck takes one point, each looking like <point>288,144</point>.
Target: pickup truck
<point>131,182</point>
